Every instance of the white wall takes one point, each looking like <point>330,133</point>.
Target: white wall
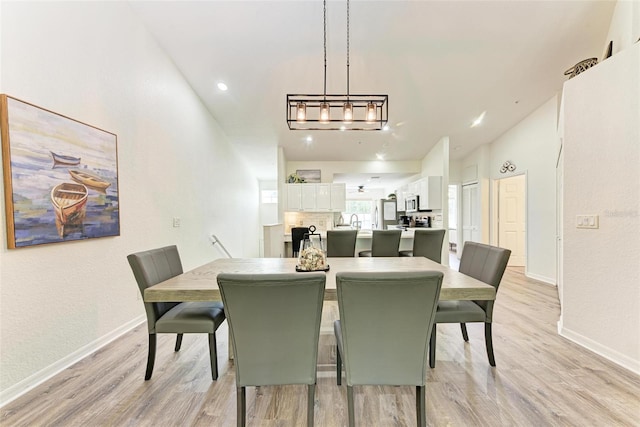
<point>624,29</point>
<point>436,163</point>
<point>94,62</point>
<point>601,270</point>
<point>531,146</point>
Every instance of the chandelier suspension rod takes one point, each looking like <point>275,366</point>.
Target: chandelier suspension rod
<point>325,48</point>
<point>347,50</point>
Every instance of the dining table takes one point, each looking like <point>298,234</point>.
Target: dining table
<point>200,284</point>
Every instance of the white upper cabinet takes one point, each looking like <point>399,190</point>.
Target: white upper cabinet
<point>430,191</point>
<point>323,197</point>
<point>294,197</point>
<point>400,197</point>
<point>316,197</point>
<point>338,197</point>
<point>308,197</point>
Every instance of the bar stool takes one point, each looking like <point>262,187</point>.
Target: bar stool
<point>427,243</point>
<point>297,234</point>
<point>341,243</point>
<point>383,243</point>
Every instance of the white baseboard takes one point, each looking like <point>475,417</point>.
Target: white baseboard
<point>612,355</point>
<point>539,278</point>
<point>41,376</point>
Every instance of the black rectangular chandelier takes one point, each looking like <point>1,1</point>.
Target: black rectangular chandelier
<point>337,112</point>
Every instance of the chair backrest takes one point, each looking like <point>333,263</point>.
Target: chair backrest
<point>341,243</point>
<point>385,242</point>
<point>274,322</point>
<point>386,320</point>
<point>152,267</point>
<point>297,234</point>
<point>428,243</point>
<point>486,263</point>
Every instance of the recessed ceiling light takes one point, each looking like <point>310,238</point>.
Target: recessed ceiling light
<point>380,156</point>
<point>223,87</point>
<point>478,120</point>
<point>309,138</point>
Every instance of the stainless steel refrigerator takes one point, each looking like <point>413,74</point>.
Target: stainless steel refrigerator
<point>385,214</point>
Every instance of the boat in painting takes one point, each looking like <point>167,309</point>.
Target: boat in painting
<point>69,204</point>
<point>89,179</point>
<point>61,159</point>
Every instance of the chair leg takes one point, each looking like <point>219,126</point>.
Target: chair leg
<point>421,412</point>
<point>338,366</point>
<point>151,357</point>
<point>432,347</point>
<point>178,342</point>
<point>465,336</point>
<point>350,407</point>
<point>241,397</point>
<point>310,404</point>
<point>489,342</point>
<point>213,356</point>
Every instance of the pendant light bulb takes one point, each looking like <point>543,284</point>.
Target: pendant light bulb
<point>324,112</point>
<point>371,112</point>
<point>348,112</point>
<point>301,112</point>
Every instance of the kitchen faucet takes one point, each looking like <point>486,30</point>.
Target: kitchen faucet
<point>357,222</point>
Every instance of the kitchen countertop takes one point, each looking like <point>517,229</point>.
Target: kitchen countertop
<point>366,234</point>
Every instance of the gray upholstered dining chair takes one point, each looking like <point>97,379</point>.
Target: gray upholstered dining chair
<point>393,352</point>
<point>155,266</point>
<point>427,243</point>
<point>383,243</point>
<point>341,243</point>
<point>274,322</point>
<point>487,264</point>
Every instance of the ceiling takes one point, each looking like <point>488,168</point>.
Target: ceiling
<point>442,63</point>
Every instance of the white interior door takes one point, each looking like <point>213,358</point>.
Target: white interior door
<point>470,213</point>
<point>512,225</point>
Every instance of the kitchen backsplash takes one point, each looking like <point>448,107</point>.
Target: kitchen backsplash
<point>322,221</point>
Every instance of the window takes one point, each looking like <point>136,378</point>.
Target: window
<point>269,196</point>
<point>363,209</point>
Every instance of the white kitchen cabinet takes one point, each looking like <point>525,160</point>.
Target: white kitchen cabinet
<point>430,191</point>
<point>338,197</point>
<point>316,197</point>
<point>400,197</point>
<point>308,195</point>
<point>294,197</point>
<point>323,197</point>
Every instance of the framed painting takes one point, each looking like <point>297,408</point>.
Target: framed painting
<point>60,177</point>
<point>309,175</point>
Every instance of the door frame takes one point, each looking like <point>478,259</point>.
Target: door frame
<point>494,210</point>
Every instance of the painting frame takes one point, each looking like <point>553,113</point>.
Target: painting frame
<point>60,176</point>
<point>310,176</point>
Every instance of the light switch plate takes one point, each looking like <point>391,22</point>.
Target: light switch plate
<point>587,221</point>
<point>176,222</point>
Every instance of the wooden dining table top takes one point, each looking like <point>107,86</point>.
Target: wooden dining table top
<point>200,284</point>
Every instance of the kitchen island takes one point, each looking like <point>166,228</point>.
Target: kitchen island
<point>363,241</point>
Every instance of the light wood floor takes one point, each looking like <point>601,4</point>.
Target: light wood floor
<point>540,379</point>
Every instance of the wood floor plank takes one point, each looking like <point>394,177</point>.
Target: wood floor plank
<point>540,379</point>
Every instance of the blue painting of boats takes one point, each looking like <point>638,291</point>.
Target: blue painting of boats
<point>52,159</point>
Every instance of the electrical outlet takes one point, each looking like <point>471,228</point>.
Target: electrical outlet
<point>176,222</point>
<point>587,221</point>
